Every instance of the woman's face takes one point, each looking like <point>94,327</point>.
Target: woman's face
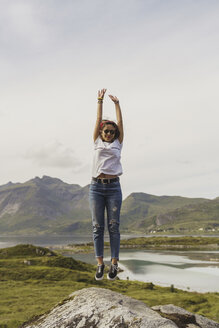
<point>108,133</point>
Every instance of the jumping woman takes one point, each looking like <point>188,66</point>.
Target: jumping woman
<point>105,191</point>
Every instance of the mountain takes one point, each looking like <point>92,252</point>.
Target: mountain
<point>148,213</point>
<point>200,217</point>
<point>46,205</point>
<point>50,206</point>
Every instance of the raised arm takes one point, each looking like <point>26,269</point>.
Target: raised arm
<point>101,94</point>
<point>118,116</point>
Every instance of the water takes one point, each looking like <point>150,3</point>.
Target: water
<point>44,241</point>
<point>192,271</point>
<point>47,240</point>
<point>187,270</point>
<point>51,240</point>
<point>166,268</point>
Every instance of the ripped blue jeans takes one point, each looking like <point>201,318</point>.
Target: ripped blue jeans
<point>109,197</point>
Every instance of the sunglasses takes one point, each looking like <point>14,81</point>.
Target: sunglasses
<point>109,131</point>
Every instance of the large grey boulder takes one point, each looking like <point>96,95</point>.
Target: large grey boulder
<point>103,308</point>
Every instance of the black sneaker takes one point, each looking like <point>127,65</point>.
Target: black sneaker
<point>100,272</point>
<point>112,272</point>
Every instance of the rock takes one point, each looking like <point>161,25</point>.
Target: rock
<point>101,308</point>
<point>205,322</point>
<point>183,318</point>
<point>28,262</point>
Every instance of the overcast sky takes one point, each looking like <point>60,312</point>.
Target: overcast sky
<point>159,57</point>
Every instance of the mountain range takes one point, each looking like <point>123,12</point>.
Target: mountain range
<point>50,206</point>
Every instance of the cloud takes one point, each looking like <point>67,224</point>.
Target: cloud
<point>54,154</point>
<point>21,27</point>
<point>159,58</point>
<point>184,162</point>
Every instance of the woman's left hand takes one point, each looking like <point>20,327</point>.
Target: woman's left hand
<point>114,99</point>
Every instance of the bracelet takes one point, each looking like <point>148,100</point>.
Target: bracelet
<point>100,101</point>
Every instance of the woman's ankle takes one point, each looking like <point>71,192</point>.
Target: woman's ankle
<point>99,261</point>
<point>114,261</point>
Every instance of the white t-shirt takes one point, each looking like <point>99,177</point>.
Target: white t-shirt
<point>107,157</point>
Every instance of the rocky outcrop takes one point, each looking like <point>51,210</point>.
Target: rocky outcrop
<point>184,318</point>
<point>103,308</point>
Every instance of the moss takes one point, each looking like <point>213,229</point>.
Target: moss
<point>113,307</point>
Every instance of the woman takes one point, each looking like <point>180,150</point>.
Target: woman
<point>105,190</point>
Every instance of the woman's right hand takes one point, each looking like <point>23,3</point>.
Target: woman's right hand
<point>101,93</point>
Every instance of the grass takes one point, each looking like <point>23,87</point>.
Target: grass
<point>30,290</point>
<point>152,243</point>
<point>187,241</point>
<point>21,300</point>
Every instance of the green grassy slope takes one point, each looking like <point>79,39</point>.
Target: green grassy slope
<point>32,289</point>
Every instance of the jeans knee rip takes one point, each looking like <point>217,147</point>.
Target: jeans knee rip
<point>113,226</point>
<point>97,228</point>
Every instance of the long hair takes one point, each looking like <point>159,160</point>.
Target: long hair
<point>106,122</point>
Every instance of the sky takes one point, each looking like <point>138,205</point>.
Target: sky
<point>160,58</point>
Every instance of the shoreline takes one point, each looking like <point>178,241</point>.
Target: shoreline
<point>149,243</point>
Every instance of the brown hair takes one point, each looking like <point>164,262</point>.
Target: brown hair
<point>106,122</point>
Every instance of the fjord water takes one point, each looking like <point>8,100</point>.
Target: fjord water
<point>185,270</point>
<point>166,268</point>
<point>44,241</point>
<point>49,240</point>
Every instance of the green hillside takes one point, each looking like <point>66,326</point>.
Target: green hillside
<point>34,279</point>
<point>147,213</point>
<point>197,218</point>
